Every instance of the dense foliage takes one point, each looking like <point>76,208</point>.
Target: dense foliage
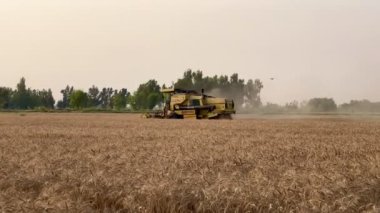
<point>360,106</point>
<point>78,99</point>
<point>147,96</point>
<point>105,98</point>
<point>25,98</point>
<point>244,94</point>
<point>322,105</point>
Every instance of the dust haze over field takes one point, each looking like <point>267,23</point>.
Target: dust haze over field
<point>120,162</point>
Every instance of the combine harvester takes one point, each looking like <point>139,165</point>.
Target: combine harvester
<point>189,104</point>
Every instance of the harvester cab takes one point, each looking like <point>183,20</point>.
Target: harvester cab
<point>189,104</point>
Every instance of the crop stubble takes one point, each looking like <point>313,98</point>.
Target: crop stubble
<point>119,162</point>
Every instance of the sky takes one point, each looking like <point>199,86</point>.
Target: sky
<point>313,48</point>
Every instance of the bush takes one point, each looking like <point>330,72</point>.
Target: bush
<point>322,105</point>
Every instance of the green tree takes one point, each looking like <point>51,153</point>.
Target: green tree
<point>78,99</point>
<point>252,92</point>
<point>147,96</point>
<point>46,99</point>
<point>120,99</point>
<point>235,90</point>
<point>35,98</point>
<point>25,98</point>
<point>360,106</point>
<point>60,104</point>
<point>230,87</point>
<point>322,105</point>
<point>5,97</point>
<point>292,106</point>
<point>186,82</point>
<point>105,98</point>
<point>153,99</point>
<point>66,93</point>
<point>21,98</point>
<point>94,96</point>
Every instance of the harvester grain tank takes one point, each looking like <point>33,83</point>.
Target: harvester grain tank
<point>179,103</point>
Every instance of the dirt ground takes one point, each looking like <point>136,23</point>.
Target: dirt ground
<point>123,163</point>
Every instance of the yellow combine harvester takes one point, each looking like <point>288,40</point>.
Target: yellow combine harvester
<point>181,103</point>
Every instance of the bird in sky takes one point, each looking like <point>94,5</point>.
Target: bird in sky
<point>272,79</point>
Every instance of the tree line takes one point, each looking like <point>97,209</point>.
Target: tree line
<point>105,98</point>
<point>25,98</point>
<point>322,105</point>
<point>147,95</point>
<point>246,95</point>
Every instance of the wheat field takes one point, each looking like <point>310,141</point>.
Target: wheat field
<point>123,163</point>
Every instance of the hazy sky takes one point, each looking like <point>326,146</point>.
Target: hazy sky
<point>314,48</point>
